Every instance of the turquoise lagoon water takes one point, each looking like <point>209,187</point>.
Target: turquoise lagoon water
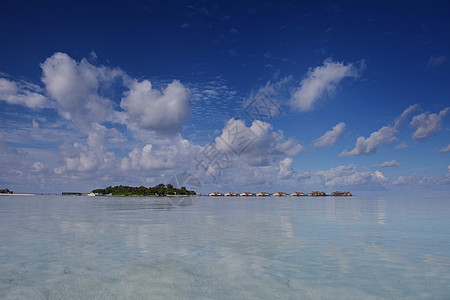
<point>54,247</point>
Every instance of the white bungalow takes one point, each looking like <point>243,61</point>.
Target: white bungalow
<point>231,194</point>
<point>317,194</point>
<point>215,194</point>
<point>297,194</point>
<point>247,194</point>
<point>279,194</point>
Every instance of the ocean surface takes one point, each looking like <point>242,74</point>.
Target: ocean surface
<point>64,247</point>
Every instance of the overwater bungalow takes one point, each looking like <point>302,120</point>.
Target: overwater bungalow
<point>279,194</point>
<point>341,194</point>
<point>6,191</point>
<point>263,194</point>
<point>317,194</point>
<point>297,194</point>
<point>231,194</point>
<point>215,194</point>
<point>247,194</point>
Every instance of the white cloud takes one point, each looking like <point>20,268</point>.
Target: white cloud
<point>21,93</point>
<point>90,157</point>
<point>4,148</point>
<point>387,164</point>
<point>384,135</point>
<point>243,177</point>
<point>38,167</point>
<point>68,82</point>
<point>153,110</point>
<point>92,147</point>
<point>258,144</point>
<point>164,156</point>
<point>402,145</point>
<point>79,89</point>
<point>249,157</point>
<point>331,136</point>
<point>115,136</point>
<point>435,61</point>
<point>213,101</point>
<point>90,143</point>
<point>379,175</point>
<point>406,180</point>
<point>419,180</point>
<point>427,124</point>
<point>405,114</point>
<point>349,175</point>
<point>286,168</point>
<point>35,123</point>
<point>75,87</point>
<point>81,158</point>
<point>321,81</point>
<point>445,149</point>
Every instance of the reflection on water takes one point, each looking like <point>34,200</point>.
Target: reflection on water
<point>135,203</point>
<point>132,247</point>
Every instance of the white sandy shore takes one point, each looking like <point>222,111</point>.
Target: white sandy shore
<point>17,194</point>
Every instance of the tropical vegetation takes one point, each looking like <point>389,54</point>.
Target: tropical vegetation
<point>158,190</point>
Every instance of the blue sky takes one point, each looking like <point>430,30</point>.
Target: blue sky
<point>255,95</point>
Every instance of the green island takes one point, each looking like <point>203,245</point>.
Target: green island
<point>158,190</point>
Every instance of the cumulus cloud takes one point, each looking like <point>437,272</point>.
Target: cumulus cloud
<point>384,135</point>
<point>331,136</point>
<point>170,155</point>
<point>89,157</point>
<point>349,175</point>
<point>150,121</point>
<point>435,61</point>
<point>258,144</point>
<point>79,90</point>
<point>251,156</point>
<point>406,180</point>
<point>427,124</point>
<point>35,123</point>
<point>153,110</point>
<point>286,168</point>
<point>255,154</point>
<point>38,167</point>
<point>445,149</point>
<point>419,180</point>
<point>387,164</point>
<point>68,82</point>
<point>81,158</point>
<point>322,81</point>
<point>405,114</point>
<point>4,148</point>
<point>22,93</point>
<point>75,87</point>
<point>402,145</point>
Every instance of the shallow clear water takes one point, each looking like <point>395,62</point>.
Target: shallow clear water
<point>224,248</point>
